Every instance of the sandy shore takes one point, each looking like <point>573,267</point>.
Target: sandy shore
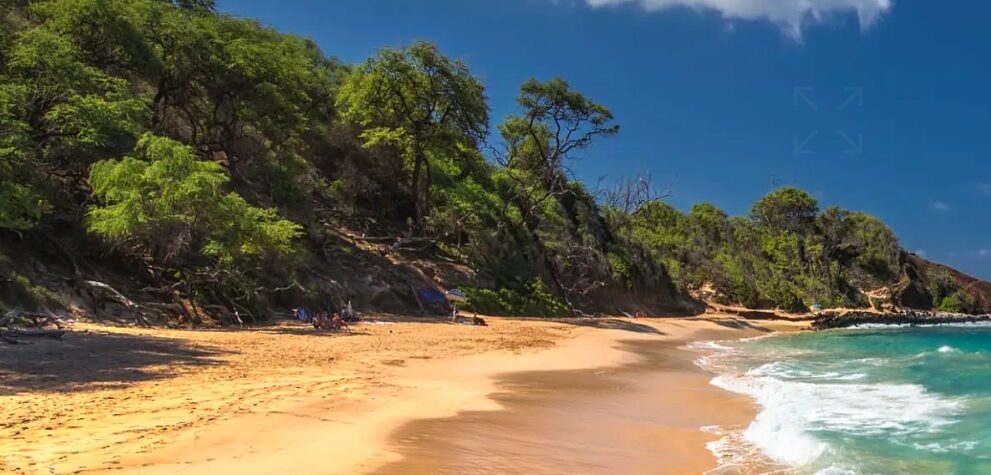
<point>525,395</point>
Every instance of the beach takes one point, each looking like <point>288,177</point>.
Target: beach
<point>397,396</point>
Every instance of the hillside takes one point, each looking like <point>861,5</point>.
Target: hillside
<point>942,282</point>
<point>164,162</point>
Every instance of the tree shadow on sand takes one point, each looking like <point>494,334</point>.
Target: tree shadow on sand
<point>84,361</point>
<point>739,324</point>
<point>608,323</point>
<point>310,331</point>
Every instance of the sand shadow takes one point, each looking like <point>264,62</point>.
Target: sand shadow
<point>308,330</point>
<point>84,361</point>
<point>606,323</point>
<point>609,323</point>
<point>739,324</point>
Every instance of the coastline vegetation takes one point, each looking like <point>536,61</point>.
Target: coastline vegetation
<point>209,154</point>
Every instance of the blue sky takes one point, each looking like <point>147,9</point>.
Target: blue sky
<point>874,105</point>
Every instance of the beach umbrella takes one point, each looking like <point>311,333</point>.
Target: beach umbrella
<point>456,295</point>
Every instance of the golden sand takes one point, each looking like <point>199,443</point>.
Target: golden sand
<point>417,396</point>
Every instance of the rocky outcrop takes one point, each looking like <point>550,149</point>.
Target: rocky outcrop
<point>978,289</point>
<point>913,289</point>
<point>827,320</point>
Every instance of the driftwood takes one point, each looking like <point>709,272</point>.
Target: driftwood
<point>9,334</point>
<point>28,318</point>
<point>411,243</point>
<point>139,317</point>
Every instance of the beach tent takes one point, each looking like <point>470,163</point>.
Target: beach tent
<point>431,295</point>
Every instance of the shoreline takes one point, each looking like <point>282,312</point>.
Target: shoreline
<point>641,416</point>
<point>356,414</point>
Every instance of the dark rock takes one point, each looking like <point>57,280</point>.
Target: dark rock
<point>913,292</point>
<point>911,317</point>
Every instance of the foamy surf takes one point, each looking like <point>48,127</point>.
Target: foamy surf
<point>786,423</point>
<point>882,326</point>
<point>852,401</point>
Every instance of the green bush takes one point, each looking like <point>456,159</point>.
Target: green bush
<point>534,299</point>
<point>957,302</point>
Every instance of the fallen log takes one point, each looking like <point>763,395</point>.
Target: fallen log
<point>23,318</point>
<point>139,317</point>
<point>55,334</point>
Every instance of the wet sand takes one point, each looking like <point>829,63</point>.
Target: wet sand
<point>640,417</point>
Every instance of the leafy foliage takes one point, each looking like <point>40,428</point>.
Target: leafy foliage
<point>189,143</point>
<point>534,299</point>
<point>169,200</point>
<point>420,103</point>
<point>786,254</point>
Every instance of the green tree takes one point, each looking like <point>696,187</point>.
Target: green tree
<point>251,98</point>
<point>57,116</point>
<point>419,102</point>
<point>165,201</point>
<point>541,202</point>
<point>786,209</point>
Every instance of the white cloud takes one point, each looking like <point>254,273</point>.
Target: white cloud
<point>920,252</point>
<point>982,253</point>
<point>790,15</point>
<point>939,206</point>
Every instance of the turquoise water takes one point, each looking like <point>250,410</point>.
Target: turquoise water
<point>877,400</point>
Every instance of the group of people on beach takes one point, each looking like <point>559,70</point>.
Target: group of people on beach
<point>328,319</point>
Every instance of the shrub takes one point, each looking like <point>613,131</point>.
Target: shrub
<point>533,299</point>
<point>957,302</point>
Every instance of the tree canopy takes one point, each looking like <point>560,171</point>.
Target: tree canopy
<point>213,155</point>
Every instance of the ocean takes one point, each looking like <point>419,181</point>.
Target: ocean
<point>877,400</point>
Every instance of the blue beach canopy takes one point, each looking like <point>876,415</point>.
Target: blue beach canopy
<point>431,295</point>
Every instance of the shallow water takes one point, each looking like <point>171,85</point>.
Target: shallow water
<point>869,400</point>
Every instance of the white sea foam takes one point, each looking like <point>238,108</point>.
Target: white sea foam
<point>716,357</point>
<point>876,326</point>
<point>792,411</point>
<point>738,455</point>
<point>881,326</point>
<point>946,349</point>
<point>872,361</point>
<point>837,470</point>
<point>960,446</point>
<point>789,371</point>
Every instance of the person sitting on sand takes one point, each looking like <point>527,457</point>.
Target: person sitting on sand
<point>320,320</point>
<point>338,323</point>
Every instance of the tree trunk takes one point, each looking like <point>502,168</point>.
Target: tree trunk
<point>551,268</point>
<point>415,188</point>
<point>427,190</point>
